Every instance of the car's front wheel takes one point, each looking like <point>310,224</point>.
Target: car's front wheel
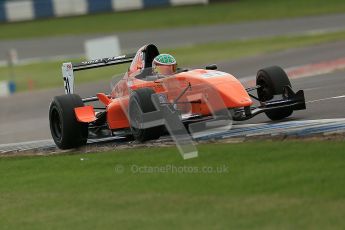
<point>272,81</point>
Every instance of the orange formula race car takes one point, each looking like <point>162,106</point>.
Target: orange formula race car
<point>154,94</point>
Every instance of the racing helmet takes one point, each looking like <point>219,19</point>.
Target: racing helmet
<point>164,64</point>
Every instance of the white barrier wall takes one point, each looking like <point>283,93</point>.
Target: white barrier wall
<point>69,7</point>
<point>18,11</point>
<point>21,10</point>
<point>121,5</point>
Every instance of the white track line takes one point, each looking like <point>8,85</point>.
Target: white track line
<point>327,98</point>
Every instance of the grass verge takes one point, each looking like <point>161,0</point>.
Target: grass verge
<point>48,74</point>
<point>234,11</point>
<point>279,185</point>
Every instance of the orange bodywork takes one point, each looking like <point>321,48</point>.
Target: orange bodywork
<point>116,114</point>
<point>85,114</point>
<point>220,89</point>
<point>103,98</point>
<point>204,84</point>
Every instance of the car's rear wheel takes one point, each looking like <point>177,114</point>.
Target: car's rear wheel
<point>66,131</point>
<point>140,102</point>
<point>272,81</point>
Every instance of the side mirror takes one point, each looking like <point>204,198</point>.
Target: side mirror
<point>211,67</point>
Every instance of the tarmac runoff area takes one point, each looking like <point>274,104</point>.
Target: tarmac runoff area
<point>325,99</point>
<point>32,50</point>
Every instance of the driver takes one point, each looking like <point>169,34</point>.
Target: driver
<point>164,64</point>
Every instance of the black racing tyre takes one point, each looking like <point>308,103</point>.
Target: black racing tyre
<point>140,102</point>
<point>66,131</point>
<point>272,81</point>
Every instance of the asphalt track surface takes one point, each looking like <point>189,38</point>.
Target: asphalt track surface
<point>73,46</point>
<point>24,116</point>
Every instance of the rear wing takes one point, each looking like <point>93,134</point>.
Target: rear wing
<point>69,68</point>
